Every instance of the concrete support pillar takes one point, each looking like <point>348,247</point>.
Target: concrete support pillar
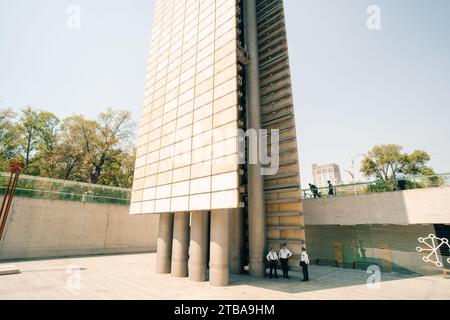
<point>256,205</point>
<point>237,244</point>
<point>164,245</point>
<point>180,245</point>
<point>219,248</point>
<point>198,248</point>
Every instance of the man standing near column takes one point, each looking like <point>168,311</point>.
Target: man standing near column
<point>284,255</point>
<point>304,261</point>
<point>272,257</point>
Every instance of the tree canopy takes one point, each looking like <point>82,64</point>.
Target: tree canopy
<point>384,161</point>
<point>74,148</point>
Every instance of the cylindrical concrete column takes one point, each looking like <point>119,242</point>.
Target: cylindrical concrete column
<point>164,245</point>
<point>237,244</point>
<point>256,205</point>
<point>219,248</point>
<point>180,245</point>
<point>198,248</point>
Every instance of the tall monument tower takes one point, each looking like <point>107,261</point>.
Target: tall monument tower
<point>218,86</point>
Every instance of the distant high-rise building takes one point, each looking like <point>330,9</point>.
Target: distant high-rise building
<point>218,67</point>
<point>324,173</point>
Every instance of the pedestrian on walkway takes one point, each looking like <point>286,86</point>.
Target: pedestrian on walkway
<point>330,189</point>
<point>272,257</point>
<point>314,191</point>
<point>284,256</point>
<point>304,262</point>
<point>401,180</point>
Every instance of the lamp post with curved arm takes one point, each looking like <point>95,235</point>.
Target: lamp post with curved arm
<point>352,172</point>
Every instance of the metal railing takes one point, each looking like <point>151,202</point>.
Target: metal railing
<point>53,189</point>
<point>411,182</point>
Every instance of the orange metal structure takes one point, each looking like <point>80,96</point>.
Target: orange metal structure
<point>16,168</point>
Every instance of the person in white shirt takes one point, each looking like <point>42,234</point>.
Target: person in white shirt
<point>272,257</point>
<point>304,261</point>
<point>401,180</point>
<point>284,256</point>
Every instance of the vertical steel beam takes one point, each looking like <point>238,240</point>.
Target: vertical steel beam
<point>256,203</point>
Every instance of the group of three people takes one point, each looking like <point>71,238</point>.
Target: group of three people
<point>283,256</point>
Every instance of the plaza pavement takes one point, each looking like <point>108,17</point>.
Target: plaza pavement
<point>133,277</point>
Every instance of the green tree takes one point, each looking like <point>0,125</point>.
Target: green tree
<point>28,137</point>
<point>113,129</point>
<point>99,142</point>
<point>38,136</point>
<point>383,161</point>
<point>119,170</point>
<point>78,149</point>
<point>68,152</point>
<point>47,133</point>
<point>9,136</point>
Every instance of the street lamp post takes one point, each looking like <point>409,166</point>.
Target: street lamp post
<point>352,173</point>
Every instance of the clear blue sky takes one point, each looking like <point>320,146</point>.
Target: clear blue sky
<point>353,87</point>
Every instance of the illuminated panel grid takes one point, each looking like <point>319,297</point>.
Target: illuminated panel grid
<point>191,95</point>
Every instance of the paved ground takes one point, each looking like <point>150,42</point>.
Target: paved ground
<point>133,277</point>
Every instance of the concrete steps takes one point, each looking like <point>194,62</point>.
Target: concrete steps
<point>8,269</point>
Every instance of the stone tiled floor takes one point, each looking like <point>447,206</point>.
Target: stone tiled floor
<point>133,277</point>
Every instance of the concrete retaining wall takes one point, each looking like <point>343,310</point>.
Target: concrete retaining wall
<point>392,248</point>
<point>49,228</point>
<point>420,206</point>
<point>378,228</point>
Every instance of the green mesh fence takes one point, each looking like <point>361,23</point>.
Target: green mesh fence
<point>52,189</point>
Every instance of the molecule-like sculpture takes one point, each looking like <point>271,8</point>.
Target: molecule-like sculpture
<point>433,247</point>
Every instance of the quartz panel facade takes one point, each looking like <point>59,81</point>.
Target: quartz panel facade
<point>187,152</point>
